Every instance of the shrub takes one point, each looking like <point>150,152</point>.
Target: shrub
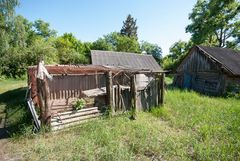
<point>79,104</point>
<point>233,90</point>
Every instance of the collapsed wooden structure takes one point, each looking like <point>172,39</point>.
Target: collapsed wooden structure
<point>103,88</point>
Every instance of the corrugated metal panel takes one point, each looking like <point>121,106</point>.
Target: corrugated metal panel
<point>128,60</point>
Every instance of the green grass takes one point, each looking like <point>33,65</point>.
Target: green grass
<point>189,126</point>
<point>12,93</point>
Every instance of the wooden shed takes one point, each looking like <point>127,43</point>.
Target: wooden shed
<point>209,70</point>
<point>145,78</point>
<point>104,88</point>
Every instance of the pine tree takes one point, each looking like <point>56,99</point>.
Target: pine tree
<point>129,27</point>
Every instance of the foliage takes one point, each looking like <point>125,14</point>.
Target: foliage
<point>71,50</point>
<point>117,42</point>
<point>102,44</point>
<point>43,29</point>
<point>79,104</point>
<point>127,44</point>
<point>177,52</point>
<point>42,49</point>
<point>152,49</point>
<point>215,23</point>
<point>129,27</point>
<point>233,90</point>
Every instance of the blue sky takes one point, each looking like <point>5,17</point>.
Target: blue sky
<point>160,22</point>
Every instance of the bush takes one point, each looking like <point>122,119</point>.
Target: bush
<point>233,90</point>
<point>79,104</point>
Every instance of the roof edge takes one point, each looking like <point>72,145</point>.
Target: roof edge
<point>215,59</point>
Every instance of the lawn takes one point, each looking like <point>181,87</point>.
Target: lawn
<point>189,126</point>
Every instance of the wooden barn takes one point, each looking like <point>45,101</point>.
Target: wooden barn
<point>209,70</point>
<point>103,87</point>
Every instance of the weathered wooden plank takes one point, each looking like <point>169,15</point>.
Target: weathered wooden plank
<point>162,89</point>
<point>109,90</point>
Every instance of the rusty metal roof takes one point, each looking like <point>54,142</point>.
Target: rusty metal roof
<point>228,58</point>
<point>73,69</point>
<point>126,60</point>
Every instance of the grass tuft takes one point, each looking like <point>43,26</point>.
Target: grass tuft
<point>161,112</point>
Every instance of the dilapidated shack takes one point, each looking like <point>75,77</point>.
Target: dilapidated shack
<point>209,70</point>
<point>102,87</point>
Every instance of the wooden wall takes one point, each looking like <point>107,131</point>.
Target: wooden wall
<point>146,97</point>
<point>205,75</point>
<point>70,86</point>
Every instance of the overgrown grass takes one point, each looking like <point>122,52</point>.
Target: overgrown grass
<point>12,105</point>
<point>214,123</point>
<point>189,126</point>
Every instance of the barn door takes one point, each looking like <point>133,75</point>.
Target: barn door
<point>187,81</point>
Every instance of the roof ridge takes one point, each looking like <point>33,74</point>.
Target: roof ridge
<point>121,52</point>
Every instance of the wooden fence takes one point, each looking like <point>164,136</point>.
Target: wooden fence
<point>71,86</point>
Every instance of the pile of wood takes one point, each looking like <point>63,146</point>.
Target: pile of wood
<point>69,118</point>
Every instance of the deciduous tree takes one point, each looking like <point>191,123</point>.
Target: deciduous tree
<point>152,49</point>
<point>215,22</point>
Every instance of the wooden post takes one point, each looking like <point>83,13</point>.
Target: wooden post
<point>159,88</point>
<point>41,100</point>
<point>47,103</point>
<point>44,101</point>
<point>109,90</point>
<point>134,96</point>
<point>162,88</point>
<point>119,96</point>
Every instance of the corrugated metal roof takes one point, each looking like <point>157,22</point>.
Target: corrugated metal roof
<point>126,60</point>
<point>229,58</point>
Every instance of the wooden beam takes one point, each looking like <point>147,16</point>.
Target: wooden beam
<point>47,103</point>
<point>162,88</point>
<point>41,100</point>
<point>109,90</point>
<point>119,96</point>
<point>134,96</point>
<point>44,101</point>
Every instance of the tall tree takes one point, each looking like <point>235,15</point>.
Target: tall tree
<point>215,22</point>
<point>129,27</point>
<point>6,18</point>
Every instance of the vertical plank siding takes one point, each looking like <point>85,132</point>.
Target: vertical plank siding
<point>205,75</point>
<point>145,97</point>
<point>71,86</point>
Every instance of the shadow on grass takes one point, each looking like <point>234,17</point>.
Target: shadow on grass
<point>17,115</point>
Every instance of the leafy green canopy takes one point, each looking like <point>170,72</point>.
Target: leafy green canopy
<point>177,52</point>
<point>117,42</point>
<point>152,49</point>
<point>215,23</point>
